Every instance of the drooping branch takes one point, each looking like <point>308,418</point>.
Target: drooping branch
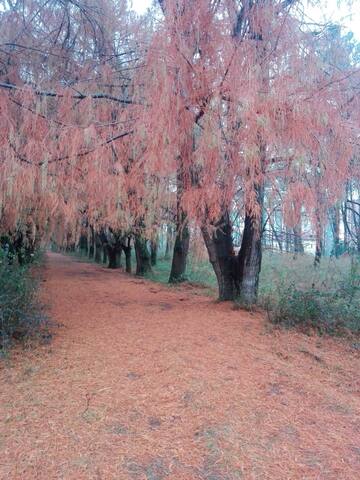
<point>77,96</point>
<point>67,157</point>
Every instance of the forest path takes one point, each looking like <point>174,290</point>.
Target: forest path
<point>147,382</point>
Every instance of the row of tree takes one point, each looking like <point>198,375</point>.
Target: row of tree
<point>204,116</point>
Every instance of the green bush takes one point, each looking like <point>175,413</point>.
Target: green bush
<point>21,314</point>
<point>325,310</point>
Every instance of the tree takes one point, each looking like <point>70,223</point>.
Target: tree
<point>250,82</point>
<point>195,115</point>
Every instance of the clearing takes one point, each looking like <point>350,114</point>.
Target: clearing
<point>147,382</point>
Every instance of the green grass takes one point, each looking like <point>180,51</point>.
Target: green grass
<point>277,268</point>
<point>294,292</point>
<point>197,273</point>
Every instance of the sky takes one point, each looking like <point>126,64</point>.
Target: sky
<point>329,10</point>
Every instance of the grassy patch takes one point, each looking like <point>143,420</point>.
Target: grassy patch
<point>293,291</point>
<point>325,298</point>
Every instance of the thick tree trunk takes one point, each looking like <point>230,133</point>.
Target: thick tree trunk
<point>114,250</point>
<point>118,257</point>
<point>143,264</point>
<point>219,245</point>
<point>113,256</point>
<point>98,249</point>
<point>181,250</point>
<point>250,254</point>
<point>298,244</point>
<point>127,250</point>
<point>98,254</point>
<point>249,260</point>
<point>182,237</point>
<point>83,244</point>
<point>18,246</point>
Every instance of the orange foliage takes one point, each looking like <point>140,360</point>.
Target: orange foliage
<point>99,111</point>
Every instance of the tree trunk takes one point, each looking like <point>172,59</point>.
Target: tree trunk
<point>169,241</point>
<point>347,233</point>
<point>219,245</point>
<point>113,256</point>
<point>298,244</point>
<point>118,257</point>
<point>105,254</point>
<point>250,254</point>
<point>127,250</point>
<point>153,250</point>
<point>91,242</point>
<point>98,249</point>
<point>335,224</point>
<point>143,264</point>
<point>275,235</point>
<point>182,238</point>
<point>83,244</point>
<point>181,249</point>
<point>18,246</point>
<point>287,240</point>
<point>319,246</point>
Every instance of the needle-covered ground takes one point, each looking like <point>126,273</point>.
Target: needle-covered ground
<point>147,382</point>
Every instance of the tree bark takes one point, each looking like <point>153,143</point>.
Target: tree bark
<point>250,254</point>
<point>98,249</point>
<point>182,238</point>
<point>181,250</point>
<point>335,224</point>
<point>83,243</point>
<point>18,246</point>
<point>143,264</point>
<point>298,244</point>
<point>118,256</point>
<point>219,245</point>
<point>319,246</point>
<point>127,250</point>
<point>113,255</point>
<point>154,250</point>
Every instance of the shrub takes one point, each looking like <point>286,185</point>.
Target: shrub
<point>21,314</point>
<point>327,311</point>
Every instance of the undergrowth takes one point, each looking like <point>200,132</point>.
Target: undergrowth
<point>324,301</point>
<point>22,317</point>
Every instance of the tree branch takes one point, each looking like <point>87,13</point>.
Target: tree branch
<point>78,96</point>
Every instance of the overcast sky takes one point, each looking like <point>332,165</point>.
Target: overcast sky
<point>329,11</point>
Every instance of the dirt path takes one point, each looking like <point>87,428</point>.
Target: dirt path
<point>145,382</point>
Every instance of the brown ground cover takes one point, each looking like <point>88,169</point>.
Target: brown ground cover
<point>147,382</point>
